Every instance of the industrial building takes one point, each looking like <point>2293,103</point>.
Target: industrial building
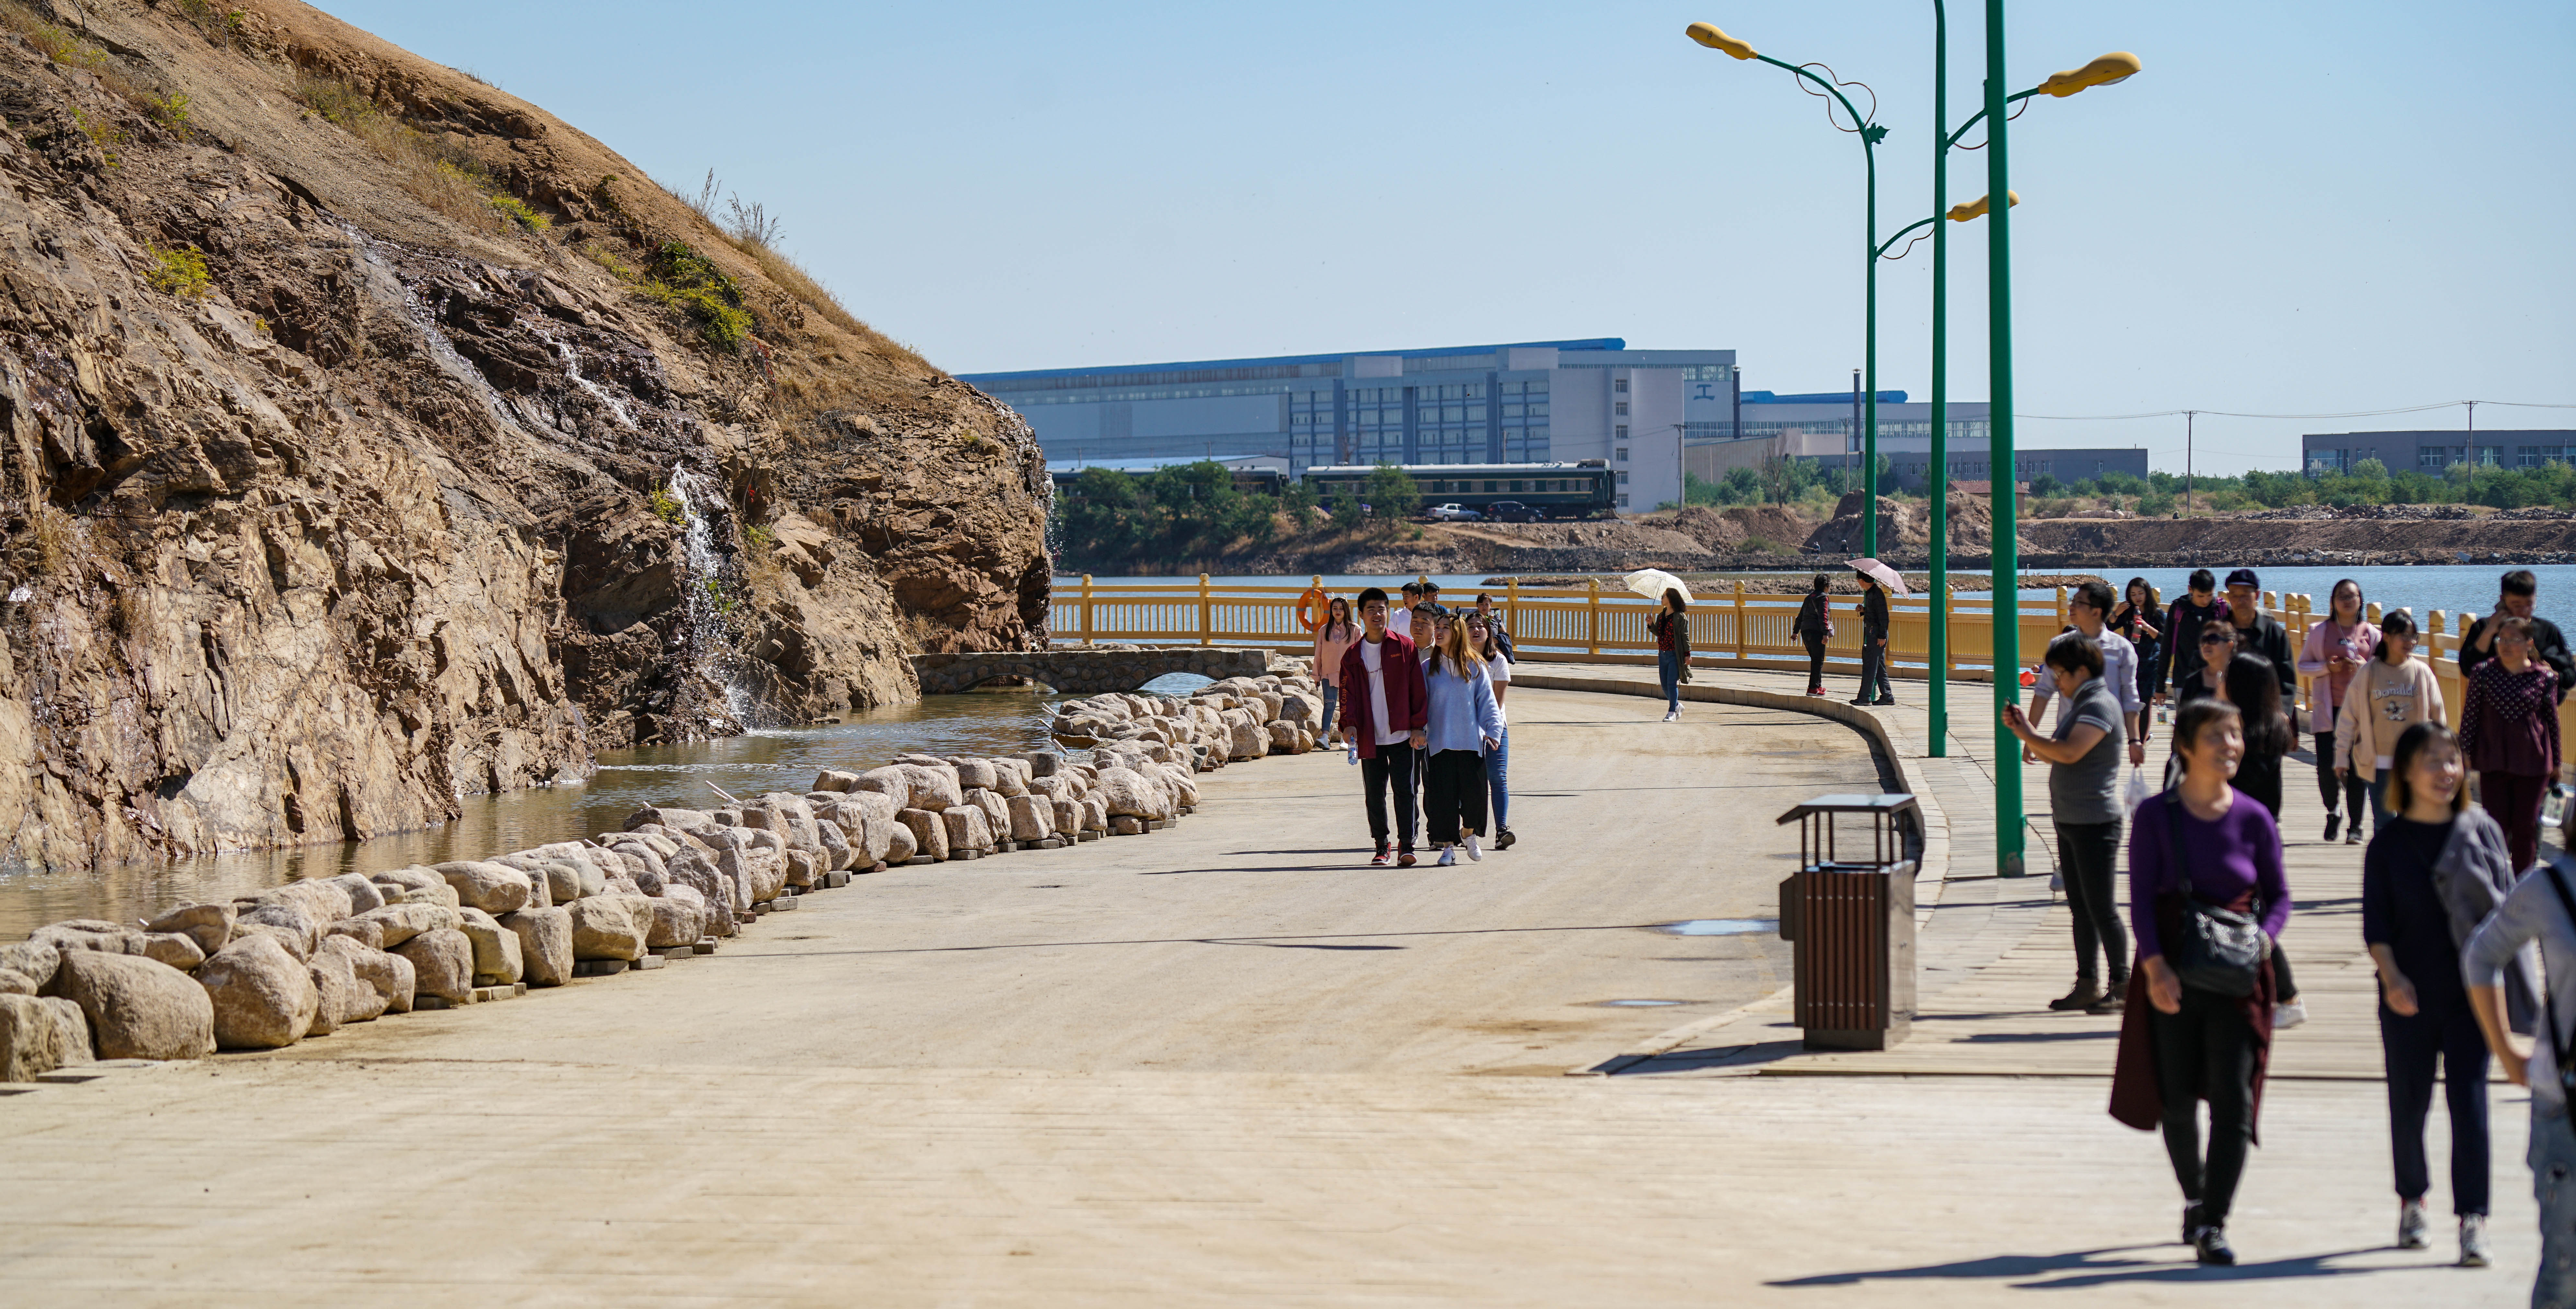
<point>2433,452</point>
<point>1526,403</point>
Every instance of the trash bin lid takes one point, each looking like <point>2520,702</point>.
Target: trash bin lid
<point>1893,802</point>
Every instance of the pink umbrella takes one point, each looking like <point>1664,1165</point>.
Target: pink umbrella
<point>1887,577</point>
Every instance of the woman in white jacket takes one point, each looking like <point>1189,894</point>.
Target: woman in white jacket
<point>2390,694</point>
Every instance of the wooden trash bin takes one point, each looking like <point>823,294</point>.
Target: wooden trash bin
<point>1851,917</point>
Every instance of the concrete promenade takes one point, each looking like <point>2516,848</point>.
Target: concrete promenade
<point>1228,1063</point>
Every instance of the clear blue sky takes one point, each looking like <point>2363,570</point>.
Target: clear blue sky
<point>2296,208</point>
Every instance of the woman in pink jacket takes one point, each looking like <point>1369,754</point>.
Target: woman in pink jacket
<point>2391,693</point>
<point>2336,648</point>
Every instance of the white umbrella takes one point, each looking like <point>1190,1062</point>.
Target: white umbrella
<point>1652,583</point>
<point>1887,577</point>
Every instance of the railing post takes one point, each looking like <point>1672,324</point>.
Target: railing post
<point>2061,607</point>
<point>1739,622</point>
<point>1207,626</point>
<point>1512,605</point>
<point>1086,608</point>
<point>1592,638</point>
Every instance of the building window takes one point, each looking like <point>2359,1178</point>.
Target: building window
<point>1623,499</point>
<point>1620,453</point>
<point>1619,385</point>
<point>1621,431</point>
<point>1620,408</point>
<point>1623,477</point>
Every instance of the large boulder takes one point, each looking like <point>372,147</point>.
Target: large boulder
<point>1127,791</point>
<point>1032,818</point>
<point>497,960</point>
<point>363,894</point>
<point>39,1034</point>
<point>397,923</point>
<point>388,974</point>
<point>492,888</point>
<point>545,944</point>
<point>209,925</point>
<point>1068,816</point>
<point>968,829</point>
<point>298,929</point>
<point>679,918</point>
<point>321,900</point>
<point>177,949</point>
<point>929,832</point>
<point>415,885</point>
<point>442,963</point>
<point>677,819</point>
<point>91,934</point>
<point>997,811</point>
<point>137,1008</point>
<point>831,779</point>
<point>975,774</point>
<point>263,997</point>
<point>901,844</point>
<point>26,966</point>
<point>373,978</point>
<point>934,786</point>
<point>605,927</point>
<point>836,853</point>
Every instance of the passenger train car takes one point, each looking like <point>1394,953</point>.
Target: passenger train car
<point>1558,490</point>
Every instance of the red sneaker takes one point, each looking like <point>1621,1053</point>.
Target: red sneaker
<point>1378,860</point>
<point>1404,860</point>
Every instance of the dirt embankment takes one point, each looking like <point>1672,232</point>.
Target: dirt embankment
<point>2274,537</point>
<point>342,399</point>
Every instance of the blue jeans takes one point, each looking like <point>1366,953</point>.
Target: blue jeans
<point>1668,667</point>
<point>2553,1183</point>
<point>1498,767</point>
<point>2379,801</point>
<point>1332,698</point>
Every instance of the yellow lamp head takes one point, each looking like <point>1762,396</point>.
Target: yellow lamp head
<point>1976,208</point>
<point>2118,66</point>
<point>1708,35</point>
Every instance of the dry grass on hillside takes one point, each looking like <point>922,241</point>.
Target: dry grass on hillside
<point>438,177</point>
<point>751,229</point>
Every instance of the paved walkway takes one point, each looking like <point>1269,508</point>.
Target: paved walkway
<point>1223,1063</point>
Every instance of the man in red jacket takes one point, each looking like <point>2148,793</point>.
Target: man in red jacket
<point>1384,709</point>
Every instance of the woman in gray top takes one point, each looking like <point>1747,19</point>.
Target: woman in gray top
<point>2084,801</point>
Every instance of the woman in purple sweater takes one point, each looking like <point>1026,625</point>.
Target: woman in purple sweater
<point>2180,1045</point>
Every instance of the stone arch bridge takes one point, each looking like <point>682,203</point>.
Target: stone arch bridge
<point>1081,671</point>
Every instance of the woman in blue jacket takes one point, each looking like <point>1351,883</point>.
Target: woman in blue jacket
<point>1464,722</point>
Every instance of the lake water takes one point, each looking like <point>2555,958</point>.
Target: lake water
<point>981,723</point>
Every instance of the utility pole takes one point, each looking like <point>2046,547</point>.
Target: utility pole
<point>1854,441</point>
<point>2188,415</point>
<point>2473,449</point>
<point>2005,553</point>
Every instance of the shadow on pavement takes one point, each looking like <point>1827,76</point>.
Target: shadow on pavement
<point>2038,1272</point>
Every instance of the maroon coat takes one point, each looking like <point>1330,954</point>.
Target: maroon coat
<point>1408,705</point>
<point>2137,1093</point>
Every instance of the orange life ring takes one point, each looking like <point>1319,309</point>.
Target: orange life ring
<point>1312,607</point>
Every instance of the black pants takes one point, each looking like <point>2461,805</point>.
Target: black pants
<point>2350,790</point>
<point>1815,663</point>
<point>2087,853</point>
<point>1390,770</point>
<point>1873,668</point>
<point>2450,1032</point>
<point>1453,796</point>
<point>2206,1052</point>
<point>2514,800</point>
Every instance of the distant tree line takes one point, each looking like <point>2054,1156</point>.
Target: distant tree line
<point>1196,511</point>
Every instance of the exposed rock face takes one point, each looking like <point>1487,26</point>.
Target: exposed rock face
<point>360,514</point>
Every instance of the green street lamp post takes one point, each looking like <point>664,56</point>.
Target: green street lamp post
<point>1870,133</point>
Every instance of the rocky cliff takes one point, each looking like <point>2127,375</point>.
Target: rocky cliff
<point>370,438</point>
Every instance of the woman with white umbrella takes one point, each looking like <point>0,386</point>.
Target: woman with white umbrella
<point>1671,627</point>
<point>1880,579</point>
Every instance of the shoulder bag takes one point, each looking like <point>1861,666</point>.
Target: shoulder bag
<point>2219,950</point>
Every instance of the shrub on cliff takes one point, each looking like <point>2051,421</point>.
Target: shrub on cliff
<point>684,280</point>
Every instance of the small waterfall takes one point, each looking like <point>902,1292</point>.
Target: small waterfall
<point>572,370</point>
<point>441,350</point>
<point>709,597</point>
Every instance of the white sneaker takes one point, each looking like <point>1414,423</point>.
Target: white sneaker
<point>2287,1016</point>
<point>2056,883</point>
<point>1672,715</point>
<point>2473,1241</point>
<point>1448,856</point>
<point>2413,1232</point>
<point>1474,851</point>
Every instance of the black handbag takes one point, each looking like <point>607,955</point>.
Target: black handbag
<point>2219,950</point>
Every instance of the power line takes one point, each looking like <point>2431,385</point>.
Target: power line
<point>2223,413</point>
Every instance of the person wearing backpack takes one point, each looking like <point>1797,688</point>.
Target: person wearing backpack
<point>2540,908</point>
<point>2436,863</point>
<point>2207,897</point>
<point>1814,626</point>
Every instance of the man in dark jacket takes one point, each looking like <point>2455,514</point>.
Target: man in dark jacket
<point>2514,600</point>
<point>1874,687</point>
<point>2259,633</point>
<point>1385,708</point>
<point>2180,657</point>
